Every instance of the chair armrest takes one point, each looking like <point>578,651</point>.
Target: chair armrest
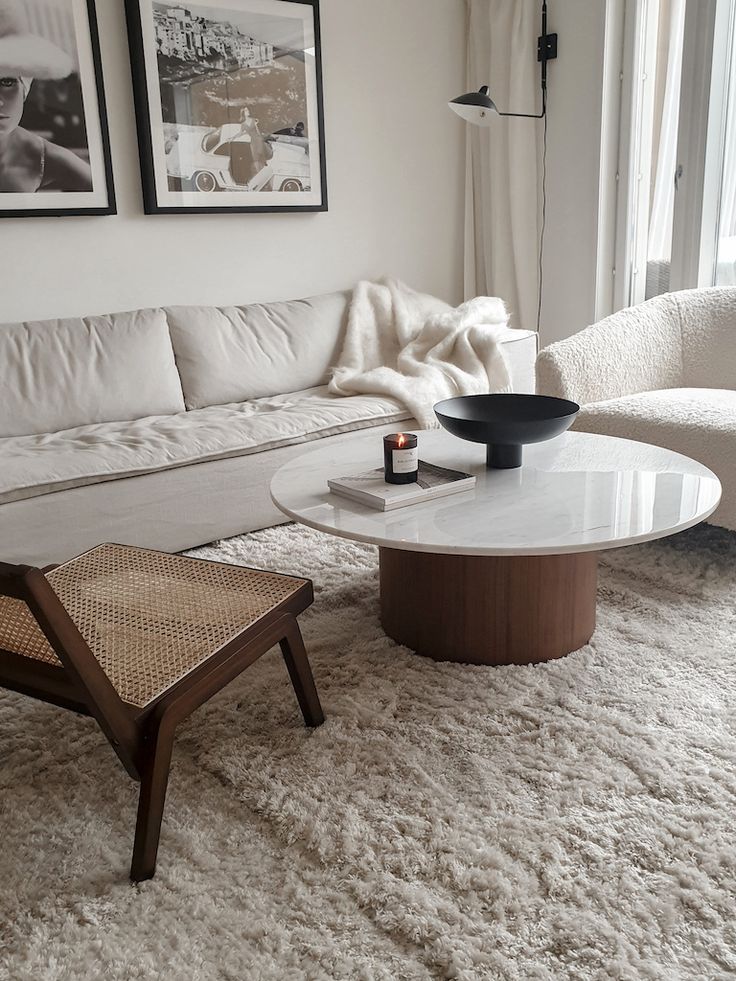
<point>635,350</point>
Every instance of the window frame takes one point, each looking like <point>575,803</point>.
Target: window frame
<point>626,162</point>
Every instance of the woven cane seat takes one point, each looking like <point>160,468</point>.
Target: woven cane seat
<point>148,617</point>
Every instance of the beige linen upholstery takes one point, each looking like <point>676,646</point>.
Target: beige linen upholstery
<point>232,354</point>
<point>176,479</point>
<point>663,372</point>
<point>41,464</point>
<point>36,465</point>
<point>57,374</point>
<point>170,510</point>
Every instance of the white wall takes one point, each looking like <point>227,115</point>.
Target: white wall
<point>575,86</point>
<point>395,170</point>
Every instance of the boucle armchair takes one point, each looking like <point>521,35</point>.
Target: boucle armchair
<point>663,372</point>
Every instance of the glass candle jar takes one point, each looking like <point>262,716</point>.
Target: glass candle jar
<point>400,458</point>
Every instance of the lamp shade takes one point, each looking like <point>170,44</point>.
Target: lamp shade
<point>475,107</point>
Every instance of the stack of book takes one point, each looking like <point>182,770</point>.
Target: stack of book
<point>370,488</point>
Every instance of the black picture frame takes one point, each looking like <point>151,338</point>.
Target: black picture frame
<point>140,59</point>
<point>105,169</point>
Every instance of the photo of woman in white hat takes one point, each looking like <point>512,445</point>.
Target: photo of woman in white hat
<point>29,160</point>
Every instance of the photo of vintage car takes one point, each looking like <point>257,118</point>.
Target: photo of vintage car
<point>221,159</point>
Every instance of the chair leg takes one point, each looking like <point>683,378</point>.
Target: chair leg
<point>292,647</point>
<point>151,804</point>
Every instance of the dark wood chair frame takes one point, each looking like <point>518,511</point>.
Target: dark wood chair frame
<point>143,738</point>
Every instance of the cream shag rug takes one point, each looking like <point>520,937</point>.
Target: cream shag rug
<point>570,820</point>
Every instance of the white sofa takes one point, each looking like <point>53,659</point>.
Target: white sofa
<point>162,428</point>
<point>663,372</point>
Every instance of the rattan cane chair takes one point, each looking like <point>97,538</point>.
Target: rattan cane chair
<point>139,639</point>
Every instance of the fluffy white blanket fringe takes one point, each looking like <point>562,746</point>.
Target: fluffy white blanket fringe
<point>418,349</point>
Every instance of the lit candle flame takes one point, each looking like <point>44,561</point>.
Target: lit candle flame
<point>402,440</point>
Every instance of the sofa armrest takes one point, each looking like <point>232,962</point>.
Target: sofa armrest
<point>520,349</point>
<point>635,350</point>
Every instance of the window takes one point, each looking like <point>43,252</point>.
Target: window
<point>675,223</point>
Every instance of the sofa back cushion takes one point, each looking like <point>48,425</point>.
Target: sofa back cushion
<point>58,374</point>
<point>232,354</point>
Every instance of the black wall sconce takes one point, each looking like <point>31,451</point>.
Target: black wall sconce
<point>478,108</point>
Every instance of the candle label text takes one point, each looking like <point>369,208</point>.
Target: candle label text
<point>405,461</point>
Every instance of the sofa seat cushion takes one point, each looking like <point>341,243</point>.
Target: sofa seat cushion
<point>697,422</point>
<point>35,465</point>
<point>58,374</point>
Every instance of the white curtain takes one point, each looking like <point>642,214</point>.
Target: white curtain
<point>503,189</point>
<point>664,150</point>
<point>726,267</point>
<point>727,227</point>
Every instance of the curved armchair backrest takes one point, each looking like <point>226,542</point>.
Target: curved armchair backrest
<point>708,324</point>
<point>680,340</point>
<point>635,350</point>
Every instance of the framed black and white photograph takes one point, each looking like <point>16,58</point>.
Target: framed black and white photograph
<point>229,105</point>
<point>54,146</point>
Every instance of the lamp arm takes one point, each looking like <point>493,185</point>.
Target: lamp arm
<point>531,115</point>
<point>523,115</point>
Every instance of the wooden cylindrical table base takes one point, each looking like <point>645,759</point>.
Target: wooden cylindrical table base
<point>489,609</point>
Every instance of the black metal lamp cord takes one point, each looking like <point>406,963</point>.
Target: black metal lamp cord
<point>544,170</point>
<point>544,224</point>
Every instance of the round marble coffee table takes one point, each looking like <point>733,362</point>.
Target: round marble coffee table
<point>504,573</point>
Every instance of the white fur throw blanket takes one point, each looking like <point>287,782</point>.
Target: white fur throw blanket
<point>419,350</point>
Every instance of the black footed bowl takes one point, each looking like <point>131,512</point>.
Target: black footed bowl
<point>505,422</point>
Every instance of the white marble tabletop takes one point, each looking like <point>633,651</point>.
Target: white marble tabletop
<point>576,493</point>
